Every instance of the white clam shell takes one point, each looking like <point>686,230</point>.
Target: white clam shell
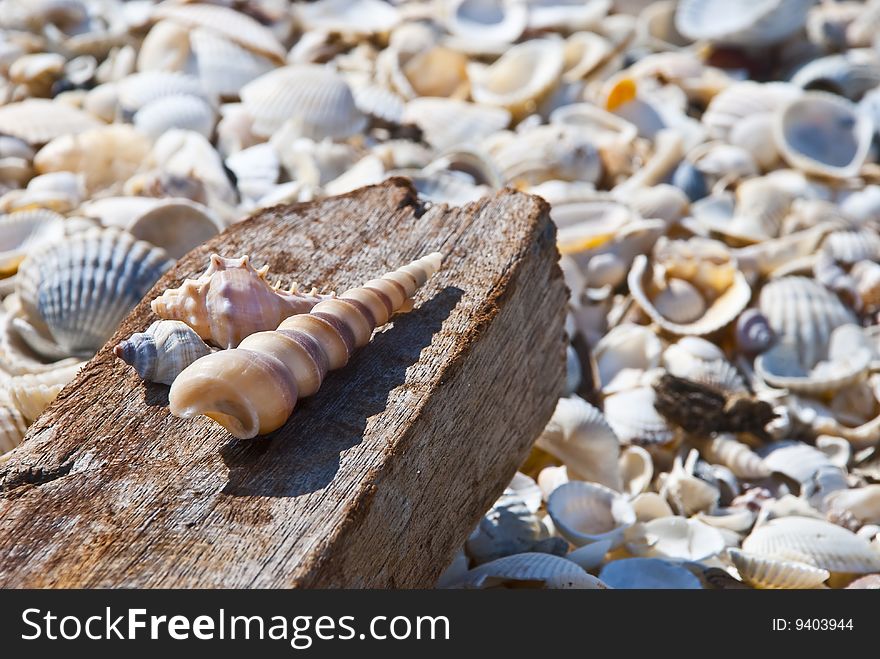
<point>679,538</point>
<point>738,520</point>
<point>794,459</point>
<point>823,544</point>
<point>529,569</point>
<point>495,21</point>
<point>578,435</point>
<point>446,122</point>
<point>648,573</point>
<point>823,134</point>
<point>177,226</point>
<point>141,89</point>
<point>626,348</point>
<point>165,48</point>
<point>357,17</point>
<point>650,505</point>
<point>743,22</point>
<point>862,503</point>
<point>742,100</point>
<point>223,66</point>
<point>176,111</point>
<point>685,492</point>
<point>588,512</point>
<point>38,120</point>
<point>696,359</point>
<point>568,14</point>
<point>770,573</point>
<point>632,416</point>
<point>590,556</point>
<point>553,152</point>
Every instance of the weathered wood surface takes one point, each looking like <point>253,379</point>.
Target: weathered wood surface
<point>374,482</point>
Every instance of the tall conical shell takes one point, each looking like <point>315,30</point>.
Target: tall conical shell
<point>160,353</point>
<point>252,390</point>
<point>77,291</point>
<point>230,301</point>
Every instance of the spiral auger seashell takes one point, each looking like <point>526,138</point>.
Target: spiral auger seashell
<point>253,389</point>
<point>232,300</point>
<point>160,353</point>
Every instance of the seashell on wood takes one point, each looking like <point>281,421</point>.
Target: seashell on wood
<point>175,111</point>
<point>520,78</point>
<point>105,156</point>
<point>529,570</point>
<point>315,99</point>
<point>25,231</point>
<point>494,21</point>
<point>12,427</point>
<point>624,349</point>
<point>701,361</point>
<point>648,573</point>
<point>736,456</point>
<point>31,394</point>
<point>285,364</point>
<point>578,435</point>
<point>37,120</point>
<point>820,543</point>
<point>823,134</point>
<point>632,416</point>
<point>233,25</point>
<point>223,66</point>
<point>447,122</point>
<point>162,351</point>
<point>678,538</point>
<point>588,512</point>
<point>741,22</point>
<point>636,470</point>
<point>770,573</point>
<point>76,292</point>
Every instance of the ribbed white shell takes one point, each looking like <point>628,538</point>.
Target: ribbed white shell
<point>770,573</point>
<point>223,66</point>
<point>545,569</point>
<point>141,89</point>
<point>742,100</point>
<point>447,122</point>
<point>179,111</point>
<point>38,120</point>
<point>632,416</point>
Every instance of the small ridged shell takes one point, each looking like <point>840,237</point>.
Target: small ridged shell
<point>804,313</point>
<point>79,290</point>
<point>176,111</point>
<point>520,78</point>
<point>37,120</point>
<point>32,394</point>
<point>794,459</point>
<point>664,202</point>
<point>25,231</point>
<point>381,103</point>
<point>826,545</point>
<point>742,100</point>
<point>141,89</point>
<point>12,427</point>
<point>165,48</point>
<point>736,456</point>
<point>315,98</point>
<point>578,435</point>
<point>530,569</point>
<point>742,22</point>
<point>648,573</point>
<point>447,122</point>
<point>224,67</point>
<point>678,538</point>
<point>234,25</point>
<point>823,134</point>
<point>632,416</point>
<point>162,351</point>
<point>770,573</point>
<point>587,512</point>
<point>701,361</point>
<point>721,312</point>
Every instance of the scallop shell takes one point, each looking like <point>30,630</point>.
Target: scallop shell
<point>531,569</point>
<point>32,394</point>
<point>588,512</point>
<point>796,460</point>
<point>175,111</point>
<point>495,21</point>
<point>77,292</point>
<point>233,25</point>
<point>770,573</point>
<point>520,78</point>
<point>354,17</point>
<point>224,67</point>
<point>230,301</point>
<point>741,22</point>
<point>579,436</point>
<point>446,122</point>
<point>37,120</point>
<point>25,231</point>
<point>823,134</point>
<point>632,416</point>
<point>736,456</point>
<point>678,538</point>
<point>12,427</point>
<point>140,89</point>
<point>823,544</point>
<point>317,100</point>
<point>624,349</point>
<point>701,361</point>
<point>648,573</point>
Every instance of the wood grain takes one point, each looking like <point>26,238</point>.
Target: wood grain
<point>374,481</point>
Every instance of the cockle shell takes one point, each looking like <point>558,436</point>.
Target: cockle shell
<point>701,361</point>
<point>521,78</point>
<point>230,301</point>
<point>223,66</point>
<point>763,572</point>
<point>140,89</point>
<point>12,427</point>
<point>175,111</point>
<point>531,569</point>
<point>632,416</point>
<point>190,157</point>
<point>664,202</point>
<point>797,460</point>
<point>447,122</point>
<point>553,152</point>
<point>736,456</point>
<point>430,71</point>
<point>840,251</point>
<point>587,512</point>
<point>37,120</point>
<point>76,292</point>
<point>677,538</point>
<point>379,102</point>
<point>648,573</point>
<point>233,25</point>
<point>741,22</point>
<point>624,349</point>
<point>25,231</point>
<point>741,100</point>
<point>823,134</point>
<point>823,544</point>
<point>579,436</point>
<point>273,369</point>
<point>162,351</point>
<point>316,99</point>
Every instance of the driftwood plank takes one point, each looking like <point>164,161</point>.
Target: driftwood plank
<point>374,482</point>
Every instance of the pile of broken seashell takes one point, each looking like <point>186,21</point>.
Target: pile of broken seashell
<point>712,167</point>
